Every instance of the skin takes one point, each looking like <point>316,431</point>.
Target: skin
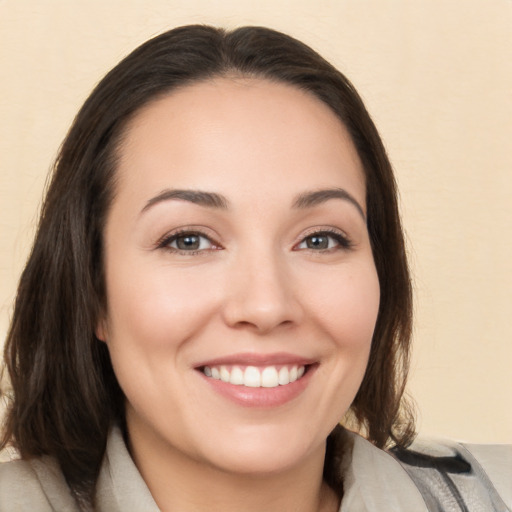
<point>255,285</point>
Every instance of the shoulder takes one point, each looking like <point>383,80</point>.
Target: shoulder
<point>428,475</point>
<point>37,484</point>
<point>20,486</point>
<point>450,472</point>
<point>496,461</point>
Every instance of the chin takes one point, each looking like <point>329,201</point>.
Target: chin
<point>263,451</point>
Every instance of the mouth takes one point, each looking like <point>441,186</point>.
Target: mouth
<point>270,376</point>
<point>260,381</point>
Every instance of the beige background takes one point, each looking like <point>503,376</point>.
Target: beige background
<point>437,76</point>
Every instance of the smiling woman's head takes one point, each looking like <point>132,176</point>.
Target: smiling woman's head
<point>65,391</point>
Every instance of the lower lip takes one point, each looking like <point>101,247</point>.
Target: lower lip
<point>261,397</point>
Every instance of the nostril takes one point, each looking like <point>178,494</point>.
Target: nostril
<point>262,326</point>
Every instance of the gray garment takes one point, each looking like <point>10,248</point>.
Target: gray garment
<point>374,480</point>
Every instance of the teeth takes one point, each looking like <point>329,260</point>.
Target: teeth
<point>224,374</point>
<point>269,378</point>
<point>237,376</point>
<point>254,377</point>
<point>284,376</point>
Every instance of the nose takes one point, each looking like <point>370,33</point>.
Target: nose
<point>261,294</point>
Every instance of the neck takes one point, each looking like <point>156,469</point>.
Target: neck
<point>179,482</point>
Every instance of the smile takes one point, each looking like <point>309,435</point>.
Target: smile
<point>254,376</point>
<point>258,380</point>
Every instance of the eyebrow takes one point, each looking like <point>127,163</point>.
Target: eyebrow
<point>208,199</point>
<point>218,201</point>
<point>317,197</point>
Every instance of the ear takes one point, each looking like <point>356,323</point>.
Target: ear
<point>101,330</point>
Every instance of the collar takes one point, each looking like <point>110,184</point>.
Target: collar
<point>120,486</point>
<point>374,481</point>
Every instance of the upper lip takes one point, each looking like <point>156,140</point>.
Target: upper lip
<point>257,359</point>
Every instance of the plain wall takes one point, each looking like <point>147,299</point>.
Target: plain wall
<point>436,76</point>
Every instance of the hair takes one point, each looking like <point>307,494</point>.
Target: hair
<point>65,395</point>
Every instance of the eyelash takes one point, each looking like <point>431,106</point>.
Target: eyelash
<point>342,241</point>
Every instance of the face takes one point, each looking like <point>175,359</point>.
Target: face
<point>241,289</point>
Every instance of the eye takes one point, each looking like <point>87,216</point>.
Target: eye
<point>187,242</point>
<point>324,241</point>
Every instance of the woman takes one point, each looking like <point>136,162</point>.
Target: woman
<point>218,278</point>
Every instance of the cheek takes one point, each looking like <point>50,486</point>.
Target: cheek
<point>347,304</point>
<point>153,313</point>
<point>158,308</point>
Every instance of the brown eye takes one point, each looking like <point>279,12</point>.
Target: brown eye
<point>188,242</point>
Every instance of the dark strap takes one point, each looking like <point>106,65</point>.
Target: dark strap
<point>450,483</point>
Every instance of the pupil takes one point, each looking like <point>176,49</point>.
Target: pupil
<point>318,242</point>
<point>188,242</point>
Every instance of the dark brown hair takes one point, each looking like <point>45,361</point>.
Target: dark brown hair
<point>65,394</point>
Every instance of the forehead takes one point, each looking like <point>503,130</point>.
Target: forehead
<point>240,135</point>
